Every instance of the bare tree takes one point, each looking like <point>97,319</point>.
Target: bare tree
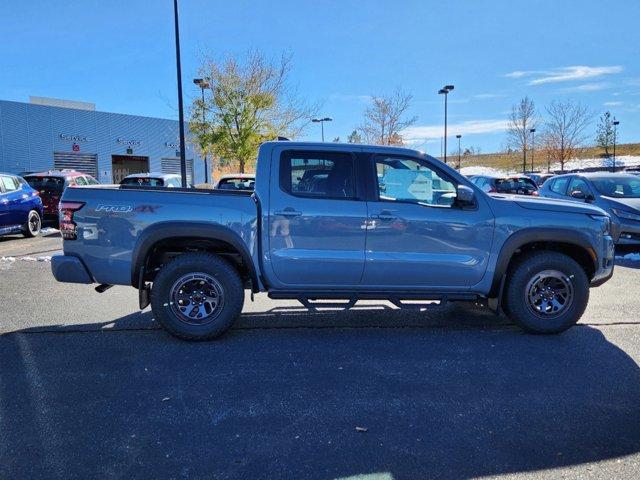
<point>251,101</point>
<point>564,134</point>
<point>521,120</point>
<point>385,119</point>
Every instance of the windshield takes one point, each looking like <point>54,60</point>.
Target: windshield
<point>143,181</point>
<point>618,187</point>
<point>55,184</point>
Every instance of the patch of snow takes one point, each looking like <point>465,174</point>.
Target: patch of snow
<point>8,259</point>
<point>26,258</point>
<point>48,231</point>
<point>604,163</point>
<point>630,257</point>
<point>478,170</point>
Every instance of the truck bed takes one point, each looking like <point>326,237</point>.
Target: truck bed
<point>114,219</point>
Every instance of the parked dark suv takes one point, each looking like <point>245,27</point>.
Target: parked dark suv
<point>518,184</point>
<point>51,184</point>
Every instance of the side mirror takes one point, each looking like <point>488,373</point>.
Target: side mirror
<point>465,195</point>
<point>577,194</point>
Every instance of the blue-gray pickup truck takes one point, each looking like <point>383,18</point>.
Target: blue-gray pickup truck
<point>340,222</point>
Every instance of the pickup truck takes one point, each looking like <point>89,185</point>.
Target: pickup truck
<point>336,222</point>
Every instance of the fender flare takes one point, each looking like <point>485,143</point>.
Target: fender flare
<point>165,230</point>
<point>538,234</point>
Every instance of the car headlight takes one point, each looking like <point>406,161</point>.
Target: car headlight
<point>626,215</point>
<point>605,222</point>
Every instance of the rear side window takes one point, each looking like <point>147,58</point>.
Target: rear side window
<point>9,183</point>
<point>318,174</point>
<point>559,185</point>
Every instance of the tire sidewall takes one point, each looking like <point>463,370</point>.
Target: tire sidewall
<point>27,229</point>
<point>209,264</point>
<point>515,296</point>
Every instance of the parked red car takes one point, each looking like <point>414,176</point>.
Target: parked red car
<point>51,184</point>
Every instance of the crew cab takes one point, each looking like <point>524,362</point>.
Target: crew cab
<point>368,222</point>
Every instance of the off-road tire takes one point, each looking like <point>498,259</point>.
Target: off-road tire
<point>516,300</point>
<point>197,263</point>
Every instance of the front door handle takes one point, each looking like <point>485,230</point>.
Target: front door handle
<point>288,212</point>
<point>384,215</point>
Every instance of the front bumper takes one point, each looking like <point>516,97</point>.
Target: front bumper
<point>604,270</point>
<point>68,269</point>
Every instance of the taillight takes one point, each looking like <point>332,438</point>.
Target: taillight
<point>67,225</point>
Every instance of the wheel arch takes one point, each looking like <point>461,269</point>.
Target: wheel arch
<point>573,243</point>
<point>181,237</point>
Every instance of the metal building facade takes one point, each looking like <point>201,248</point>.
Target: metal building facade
<point>32,135</point>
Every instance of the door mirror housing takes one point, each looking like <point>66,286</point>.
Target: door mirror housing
<point>578,194</point>
<point>465,196</point>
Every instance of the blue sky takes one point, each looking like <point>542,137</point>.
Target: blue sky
<point>120,55</point>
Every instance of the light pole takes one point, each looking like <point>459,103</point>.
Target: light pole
<point>321,122</point>
<point>203,84</point>
<point>445,91</point>
<point>615,137</point>
<point>183,161</point>
<point>459,149</point>
<point>533,145</point>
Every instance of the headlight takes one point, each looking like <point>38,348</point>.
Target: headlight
<point>605,222</point>
<point>626,215</point>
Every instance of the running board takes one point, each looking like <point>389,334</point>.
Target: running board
<point>347,300</point>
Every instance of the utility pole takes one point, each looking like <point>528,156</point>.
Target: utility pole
<point>445,91</point>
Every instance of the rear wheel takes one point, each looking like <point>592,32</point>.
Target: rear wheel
<point>546,292</point>
<point>33,225</point>
<point>197,296</point>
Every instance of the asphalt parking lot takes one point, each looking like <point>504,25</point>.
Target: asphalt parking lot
<point>92,388</point>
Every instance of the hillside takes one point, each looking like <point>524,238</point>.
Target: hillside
<point>513,161</point>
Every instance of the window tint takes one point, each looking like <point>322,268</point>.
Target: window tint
<point>143,181</point>
<point>579,185</point>
<point>54,184</point>
<point>407,180</point>
<point>559,185</point>
<point>318,174</point>
<point>10,185</point>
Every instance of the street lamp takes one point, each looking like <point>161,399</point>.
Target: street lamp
<point>533,145</point>
<point>203,84</point>
<point>445,91</point>
<point>183,161</point>
<point>321,122</point>
<point>459,149</point>
<point>615,137</point>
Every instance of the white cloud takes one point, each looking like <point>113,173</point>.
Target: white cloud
<point>588,87</point>
<point>565,74</point>
<point>484,96</point>
<point>419,133</point>
<point>612,104</point>
<point>341,97</point>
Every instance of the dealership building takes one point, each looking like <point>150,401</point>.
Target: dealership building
<point>47,134</point>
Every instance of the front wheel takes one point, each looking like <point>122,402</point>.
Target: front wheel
<point>34,224</point>
<point>197,296</point>
<point>546,292</point>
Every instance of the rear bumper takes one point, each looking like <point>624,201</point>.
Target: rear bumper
<point>606,258</point>
<point>68,269</point>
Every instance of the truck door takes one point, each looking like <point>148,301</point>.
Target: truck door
<point>317,218</point>
<point>417,237</point>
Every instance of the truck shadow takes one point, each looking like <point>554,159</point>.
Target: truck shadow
<point>285,403</point>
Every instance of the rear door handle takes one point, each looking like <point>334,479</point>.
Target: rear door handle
<point>288,212</point>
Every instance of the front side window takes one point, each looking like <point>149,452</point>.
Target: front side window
<point>407,180</point>
<point>9,184</point>
<point>579,185</point>
<point>559,185</point>
<point>318,174</point>
<point>80,181</point>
